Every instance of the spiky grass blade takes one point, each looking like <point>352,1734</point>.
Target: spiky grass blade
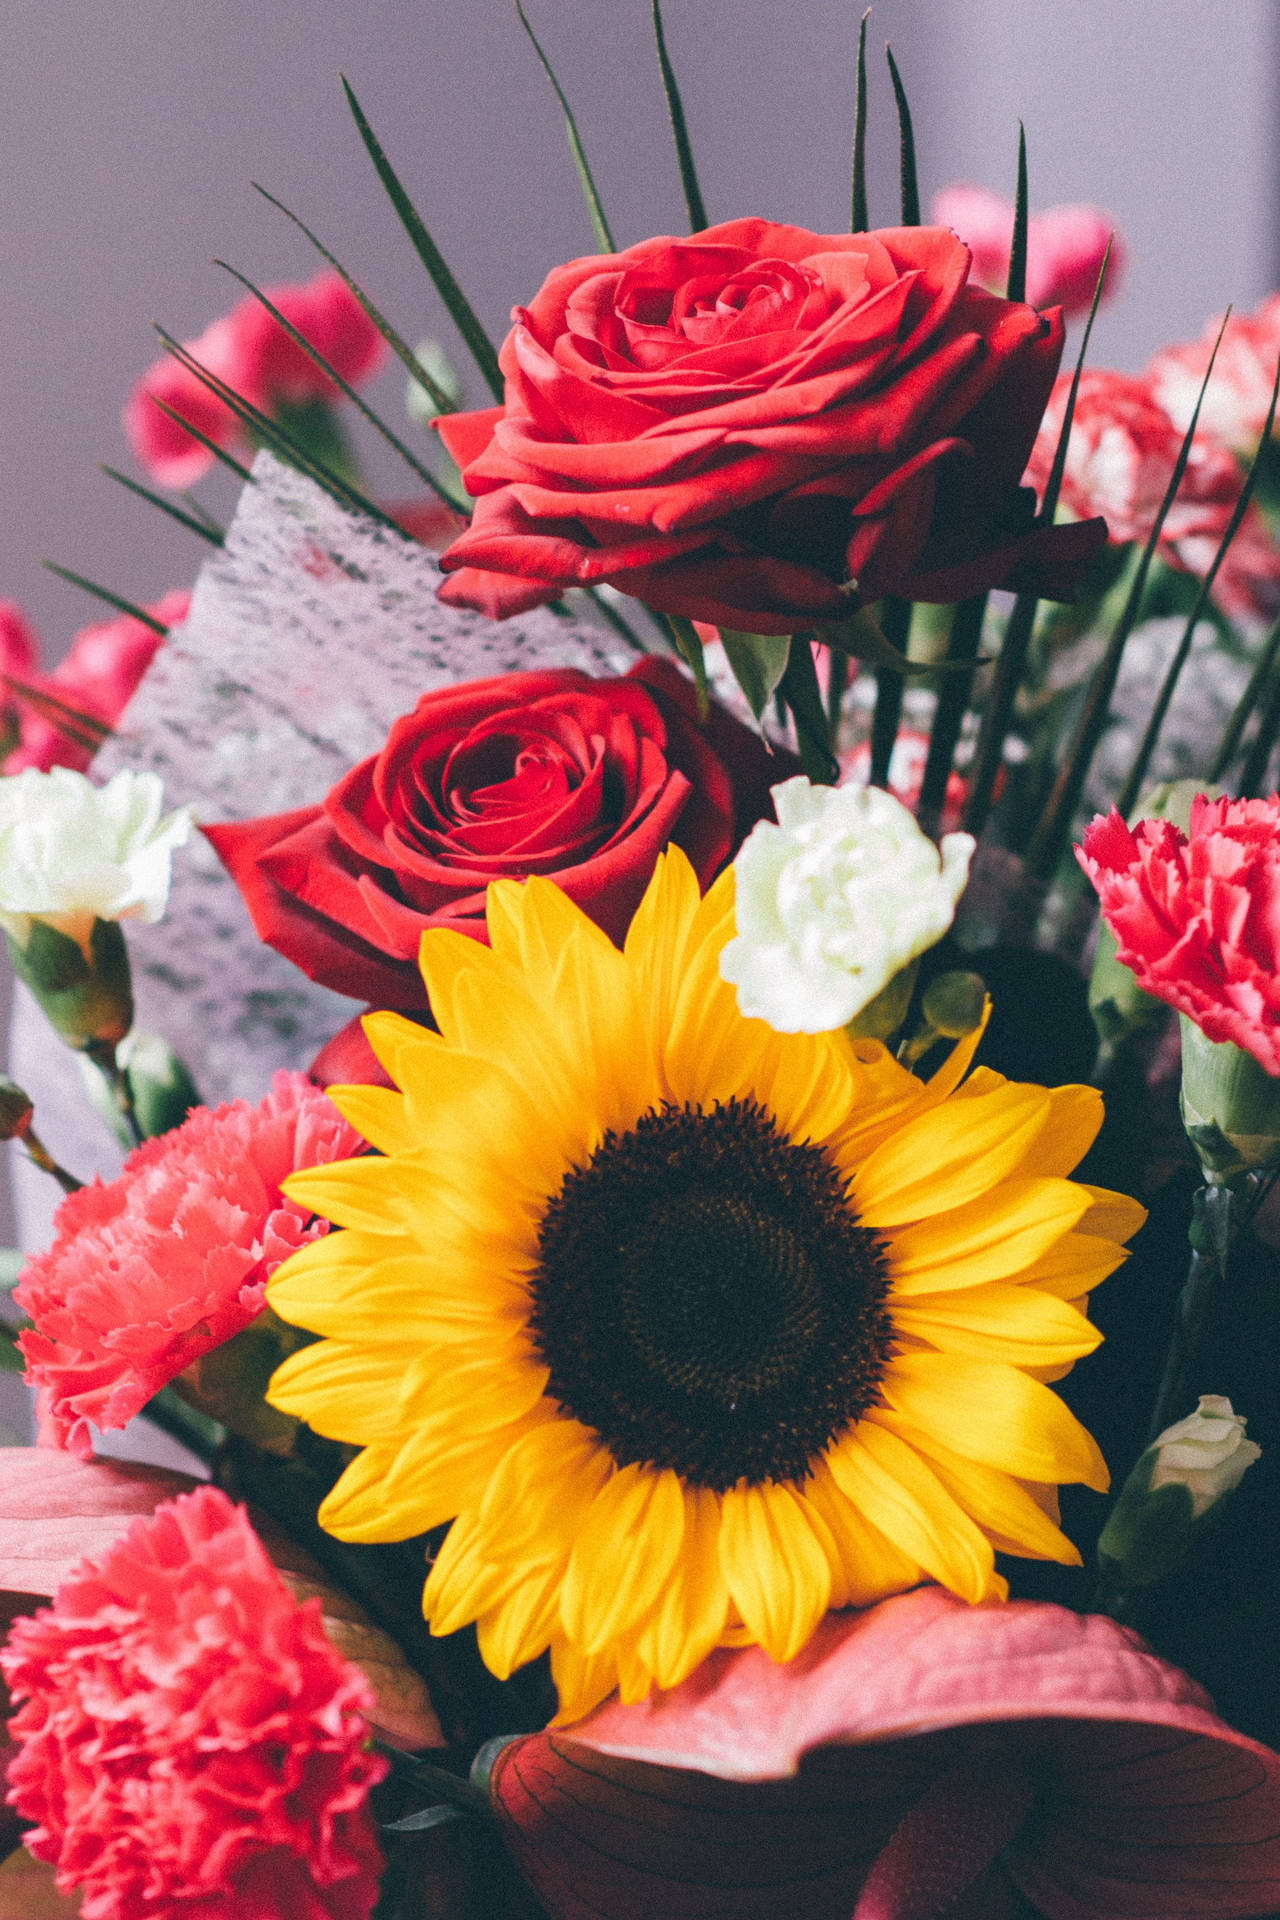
<point>859,219</point>
<point>618,621</point>
<point>1016,286</point>
<point>1142,759</point>
<point>440,400</point>
<point>393,440</point>
<point>1254,771</point>
<point>895,622</point>
<point>953,699</point>
<point>220,454</point>
<point>195,523</point>
<point>1050,836</point>
<point>910,184</point>
<point>695,207</point>
<point>1229,745</point>
<point>116,600</point>
<point>595,212</point>
<point>998,712</point>
<point>74,723</point>
<point>459,307</point>
<point>799,691</point>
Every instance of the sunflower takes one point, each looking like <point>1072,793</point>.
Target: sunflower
<point>691,1328</point>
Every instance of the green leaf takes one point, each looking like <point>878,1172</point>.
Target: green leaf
<point>393,440</point>
<point>599,225</point>
<point>12,1261</point>
<point>1151,733</point>
<point>759,661</point>
<point>864,638</point>
<point>693,200</point>
<point>685,635</point>
<point>443,400</point>
<point>1016,286</point>
<point>800,691</point>
<point>858,216</point>
<point>910,185</point>
<point>1229,744</point>
<point>963,642</point>
<point>11,1360</point>
<point>116,600</point>
<point>437,1816</point>
<point>889,688</point>
<point>213,534</point>
<point>460,309</point>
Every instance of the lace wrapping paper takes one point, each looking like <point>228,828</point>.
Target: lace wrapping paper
<point>310,631</point>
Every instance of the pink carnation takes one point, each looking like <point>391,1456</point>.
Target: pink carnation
<point>189,1739</point>
<point>1065,246</point>
<point>97,677</point>
<point>251,353</point>
<point>1122,451</point>
<point>170,1259</point>
<point>1236,400</point>
<point>1197,915</point>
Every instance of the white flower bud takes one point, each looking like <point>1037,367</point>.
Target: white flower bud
<point>72,852</point>
<point>1206,1453</point>
<point>833,901</point>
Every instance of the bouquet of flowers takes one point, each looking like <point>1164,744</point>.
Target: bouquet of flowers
<point>624,1107</point>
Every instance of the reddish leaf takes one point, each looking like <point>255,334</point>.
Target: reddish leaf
<point>56,1510</point>
<point>918,1759</point>
<point>28,1892</point>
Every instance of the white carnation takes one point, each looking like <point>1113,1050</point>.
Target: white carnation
<point>833,901</point>
<point>1206,1453</point>
<point>72,852</point>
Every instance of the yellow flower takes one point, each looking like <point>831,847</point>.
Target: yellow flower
<point>693,1329</point>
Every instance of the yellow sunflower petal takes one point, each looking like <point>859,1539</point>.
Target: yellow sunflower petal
<point>626,1546</point>
<point>393,1493</point>
<point>886,1480</point>
<point>689,1617</point>
<point>380,1114</point>
<point>582,1680</point>
<point>948,1156</point>
<point>366,1193</point>
<point>1019,1325</point>
<point>391,1299</point>
<point>344,1391</point>
<point>1074,1265</point>
<point>395,1040</point>
<point>994,1413</point>
<point>991,1238</point>
<point>776,1558</point>
<point>1114,1215</point>
<point>1075,1115</point>
<point>870,1564</point>
<point>1013,1520</point>
<point>522,1626</point>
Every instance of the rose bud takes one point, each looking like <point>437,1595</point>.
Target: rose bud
<point>1176,1486</point>
<point>834,905</point>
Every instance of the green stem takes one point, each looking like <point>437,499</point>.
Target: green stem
<point>103,1056</point>
<point>40,1156</point>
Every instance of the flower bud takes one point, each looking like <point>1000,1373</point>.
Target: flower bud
<point>86,993</point>
<point>1176,1486</point>
<point>1230,1106</point>
<point>16,1109</point>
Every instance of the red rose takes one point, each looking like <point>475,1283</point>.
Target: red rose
<point>763,427</point>
<point>583,780</point>
<point>1197,915</point>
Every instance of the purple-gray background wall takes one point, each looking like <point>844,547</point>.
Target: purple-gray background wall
<point>129,133</point>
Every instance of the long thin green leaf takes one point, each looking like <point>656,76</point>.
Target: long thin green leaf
<point>116,600</point>
<point>228,460</point>
<point>953,698</point>
<point>460,309</point>
<point>1142,759</point>
<point>895,621</point>
<point>278,438</point>
<point>618,621</point>
<point>440,400</point>
<point>799,691</point>
<point>199,511</point>
<point>393,440</point>
<point>1229,745</point>
<point>1016,287</point>
<point>837,681</point>
<point>680,131</point>
<point>998,711</point>
<point>84,728</point>
<point>599,225</point>
<point>694,204</point>
<point>859,218</point>
<point>1054,825</point>
<point>910,184</point>
<point>1254,771</point>
<point>196,525</point>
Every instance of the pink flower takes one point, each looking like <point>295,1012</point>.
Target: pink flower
<point>1238,395</point>
<point>97,677</point>
<point>171,1258</point>
<point>1197,915</point>
<point>189,1742</point>
<point>920,1760</point>
<point>251,353</point>
<point>1122,451</point>
<point>1065,246</point>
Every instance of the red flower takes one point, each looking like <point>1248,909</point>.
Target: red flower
<point>1235,406</point>
<point>761,427</point>
<point>1197,915</point>
<point>171,1258</point>
<point>251,353</point>
<point>190,1744</point>
<point>1065,246</point>
<point>554,773</point>
<point>921,1760</point>
<point>1122,451</point>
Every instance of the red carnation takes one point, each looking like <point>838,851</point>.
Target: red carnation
<point>189,1742</point>
<point>171,1258</point>
<point>1197,915</point>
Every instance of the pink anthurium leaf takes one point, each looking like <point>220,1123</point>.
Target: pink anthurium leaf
<point>922,1758</point>
<point>56,1510</point>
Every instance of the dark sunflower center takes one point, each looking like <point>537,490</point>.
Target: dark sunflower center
<point>706,1300</point>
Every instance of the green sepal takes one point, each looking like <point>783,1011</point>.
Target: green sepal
<point>229,1383</point>
<point>1118,1006</point>
<point>1147,1533</point>
<point>12,1261</point>
<point>881,1018</point>
<point>864,638</point>
<point>799,691</point>
<point>759,661</point>
<point>162,1088</point>
<point>87,1001</point>
<point>953,1003</point>
<point>11,1357</point>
